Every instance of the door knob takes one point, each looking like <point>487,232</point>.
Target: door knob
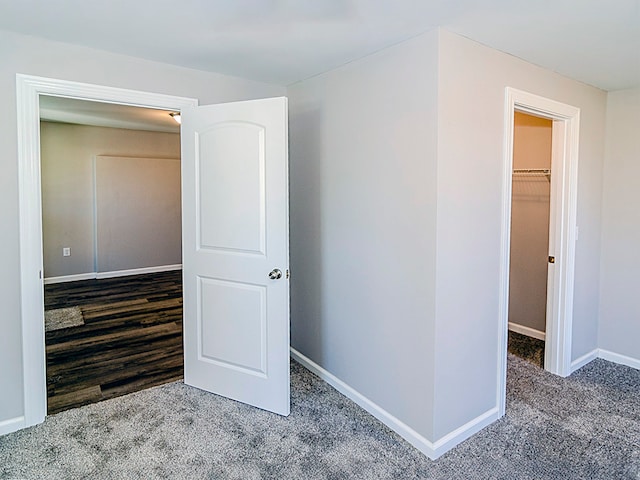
<point>275,274</point>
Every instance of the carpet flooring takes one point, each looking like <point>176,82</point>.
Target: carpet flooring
<point>60,318</point>
<point>529,348</point>
<point>586,426</point>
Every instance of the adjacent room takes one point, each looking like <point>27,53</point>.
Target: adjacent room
<point>112,252</point>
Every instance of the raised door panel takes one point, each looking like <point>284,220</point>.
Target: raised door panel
<point>231,191</point>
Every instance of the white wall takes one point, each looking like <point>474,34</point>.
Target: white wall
<point>530,223</point>
<point>620,263</point>
<point>362,166</point>
<point>67,155</point>
<point>471,99</point>
<point>28,55</point>
<point>395,225</point>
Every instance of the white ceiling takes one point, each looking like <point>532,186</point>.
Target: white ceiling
<point>284,41</point>
<point>84,112</point>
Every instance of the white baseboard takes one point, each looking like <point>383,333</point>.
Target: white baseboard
<point>605,355</point>
<point>528,331</point>
<point>70,278</point>
<point>114,274</point>
<point>138,271</point>
<point>11,425</point>
<point>618,358</point>
<point>460,434</point>
<point>433,450</point>
<point>578,363</point>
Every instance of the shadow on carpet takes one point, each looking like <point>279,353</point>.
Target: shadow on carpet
<point>584,426</point>
<point>529,348</point>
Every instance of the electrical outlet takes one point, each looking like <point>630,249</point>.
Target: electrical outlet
<point>66,251</point>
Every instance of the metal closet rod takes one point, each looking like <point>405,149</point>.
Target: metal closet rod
<point>544,171</point>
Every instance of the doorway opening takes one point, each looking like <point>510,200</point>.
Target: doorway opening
<point>111,235</point>
<point>29,90</point>
<point>530,213</point>
<point>563,183</point>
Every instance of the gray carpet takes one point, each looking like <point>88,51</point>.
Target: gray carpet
<point>583,427</point>
<point>60,318</point>
<point>529,348</point>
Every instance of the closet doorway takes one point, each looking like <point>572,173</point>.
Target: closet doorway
<point>562,236</point>
<point>529,260</point>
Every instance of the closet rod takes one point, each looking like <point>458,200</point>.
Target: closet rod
<point>544,171</point>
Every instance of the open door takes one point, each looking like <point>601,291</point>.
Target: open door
<point>236,251</point>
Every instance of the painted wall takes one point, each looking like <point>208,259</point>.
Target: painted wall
<point>530,223</point>
<point>138,213</point>
<point>471,99</point>
<point>396,174</point>
<point>32,56</point>
<point>362,160</point>
<point>67,155</point>
<point>620,263</point>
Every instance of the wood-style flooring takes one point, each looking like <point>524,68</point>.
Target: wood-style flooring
<point>131,339</point>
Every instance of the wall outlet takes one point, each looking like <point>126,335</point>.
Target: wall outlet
<point>66,251</point>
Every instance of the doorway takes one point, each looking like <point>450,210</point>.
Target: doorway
<point>29,89</point>
<point>562,229</point>
<point>530,209</point>
<point>111,231</point>
<point>253,350</point>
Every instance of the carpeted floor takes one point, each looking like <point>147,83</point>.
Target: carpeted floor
<point>529,348</point>
<point>586,426</point>
<point>60,318</point>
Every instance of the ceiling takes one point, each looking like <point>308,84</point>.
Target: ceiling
<point>285,41</point>
<point>84,112</point>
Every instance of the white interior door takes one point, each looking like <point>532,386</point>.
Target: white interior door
<point>236,251</point>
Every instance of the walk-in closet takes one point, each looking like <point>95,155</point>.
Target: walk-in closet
<point>530,207</point>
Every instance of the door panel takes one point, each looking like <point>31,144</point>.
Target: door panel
<point>233,323</point>
<point>235,232</point>
<point>231,191</point>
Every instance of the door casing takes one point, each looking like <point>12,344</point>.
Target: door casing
<point>29,88</point>
<point>562,233</point>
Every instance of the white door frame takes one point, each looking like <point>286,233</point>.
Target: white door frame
<point>29,88</point>
<point>563,227</point>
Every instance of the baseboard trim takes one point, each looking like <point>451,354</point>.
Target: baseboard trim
<point>433,450</point>
<point>69,278</point>
<point>605,355</point>
<point>460,434</point>
<point>113,274</point>
<point>528,331</point>
<point>138,271</point>
<point>11,425</point>
<point>578,363</point>
<point>620,359</point>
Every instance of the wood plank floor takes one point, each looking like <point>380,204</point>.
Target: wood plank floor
<point>131,339</point>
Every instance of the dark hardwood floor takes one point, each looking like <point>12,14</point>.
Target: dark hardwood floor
<point>131,339</point>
